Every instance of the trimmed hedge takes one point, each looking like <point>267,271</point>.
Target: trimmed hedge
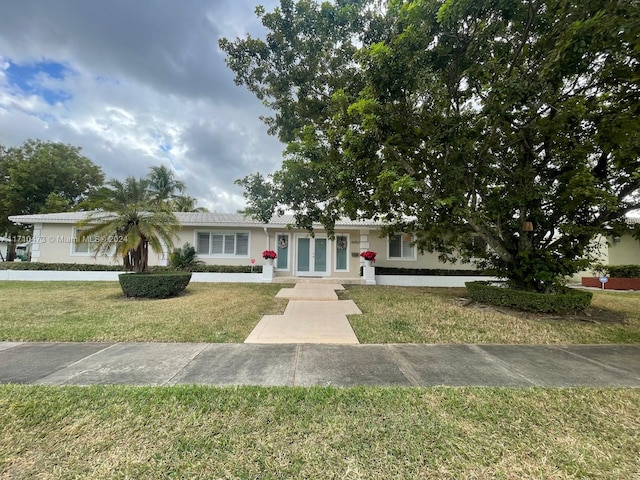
<point>428,271</point>
<point>568,301</point>
<point>92,267</point>
<point>622,271</point>
<point>214,269</point>
<point>154,285</point>
<point>64,267</point>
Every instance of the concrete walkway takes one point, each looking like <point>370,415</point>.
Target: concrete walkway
<point>314,364</point>
<point>314,314</point>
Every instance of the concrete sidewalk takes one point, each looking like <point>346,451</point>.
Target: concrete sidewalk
<point>320,364</point>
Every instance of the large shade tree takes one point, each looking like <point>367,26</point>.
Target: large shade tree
<point>516,122</point>
<point>42,177</point>
<point>129,223</point>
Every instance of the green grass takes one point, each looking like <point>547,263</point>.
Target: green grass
<point>364,433</point>
<point>218,313</point>
<point>97,311</point>
<point>435,315</point>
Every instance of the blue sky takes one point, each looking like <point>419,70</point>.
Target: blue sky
<point>136,86</point>
<point>39,79</point>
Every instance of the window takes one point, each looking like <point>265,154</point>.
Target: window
<point>342,253</point>
<point>81,244</point>
<point>400,247</point>
<point>232,244</point>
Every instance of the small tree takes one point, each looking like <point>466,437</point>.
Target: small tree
<point>184,258</point>
<point>185,203</point>
<point>129,223</point>
<point>163,185</point>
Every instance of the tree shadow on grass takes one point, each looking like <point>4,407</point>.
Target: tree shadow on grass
<point>589,315</point>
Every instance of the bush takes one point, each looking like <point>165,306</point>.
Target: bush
<point>621,271</point>
<point>64,267</point>
<point>154,285</point>
<point>427,271</point>
<point>184,258</point>
<point>566,301</point>
<point>214,269</point>
<point>93,267</point>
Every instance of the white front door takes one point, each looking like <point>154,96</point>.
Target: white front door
<point>312,256</point>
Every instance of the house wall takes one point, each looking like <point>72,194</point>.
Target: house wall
<point>380,245</point>
<point>257,243</point>
<point>53,243</point>
<point>624,252</point>
<point>259,240</point>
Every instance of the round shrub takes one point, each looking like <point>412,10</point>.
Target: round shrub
<point>154,285</point>
<point>567,301</point>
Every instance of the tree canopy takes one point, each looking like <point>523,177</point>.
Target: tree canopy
<point>163,183</point>
<point>132,216</point>
<point>43,177</point>
<point>513,122</point>
<point>131,220</point>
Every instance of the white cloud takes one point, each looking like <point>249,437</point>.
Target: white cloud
<point>141,86</point>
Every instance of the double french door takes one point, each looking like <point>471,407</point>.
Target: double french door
<point>312,256</point>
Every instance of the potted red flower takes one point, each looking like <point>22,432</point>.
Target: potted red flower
<point>269,256</point>
<point>369,257</point>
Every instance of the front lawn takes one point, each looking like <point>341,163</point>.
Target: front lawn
<point>97,311</point>
<point>227,312</point>
<point>318,433</point>
<point>437,315</point>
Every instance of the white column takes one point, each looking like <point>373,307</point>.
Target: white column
<point>369,274</point>
<point>35,245</point>
<point>267,273</point>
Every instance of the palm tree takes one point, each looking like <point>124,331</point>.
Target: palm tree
<point>129,222</point>
<point>185,203</point>
<point>163,184</point>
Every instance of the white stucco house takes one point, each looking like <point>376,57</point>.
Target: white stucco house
<point>233,239</point>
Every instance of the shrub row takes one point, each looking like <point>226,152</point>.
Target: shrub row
<point>65,267</point>
<point>621,271</point>
<point>215,269</point>
<point>92,267</point>
<point>154,285</point>
<point>567,301</point>
<point>427,271</point>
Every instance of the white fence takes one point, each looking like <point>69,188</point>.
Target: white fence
<point>209,277</point>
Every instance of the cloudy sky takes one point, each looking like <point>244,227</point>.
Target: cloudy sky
<point>137,84</point>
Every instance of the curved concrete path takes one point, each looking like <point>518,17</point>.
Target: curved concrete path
<point>313,364</point>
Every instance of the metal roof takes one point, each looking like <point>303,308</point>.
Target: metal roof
<point>197,219</point>
<point>189,219</point>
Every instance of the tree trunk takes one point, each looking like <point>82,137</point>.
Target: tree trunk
<point>144,256</point>
<point>11,249</point>
<point>127,261</point>
<point>140,257</point>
